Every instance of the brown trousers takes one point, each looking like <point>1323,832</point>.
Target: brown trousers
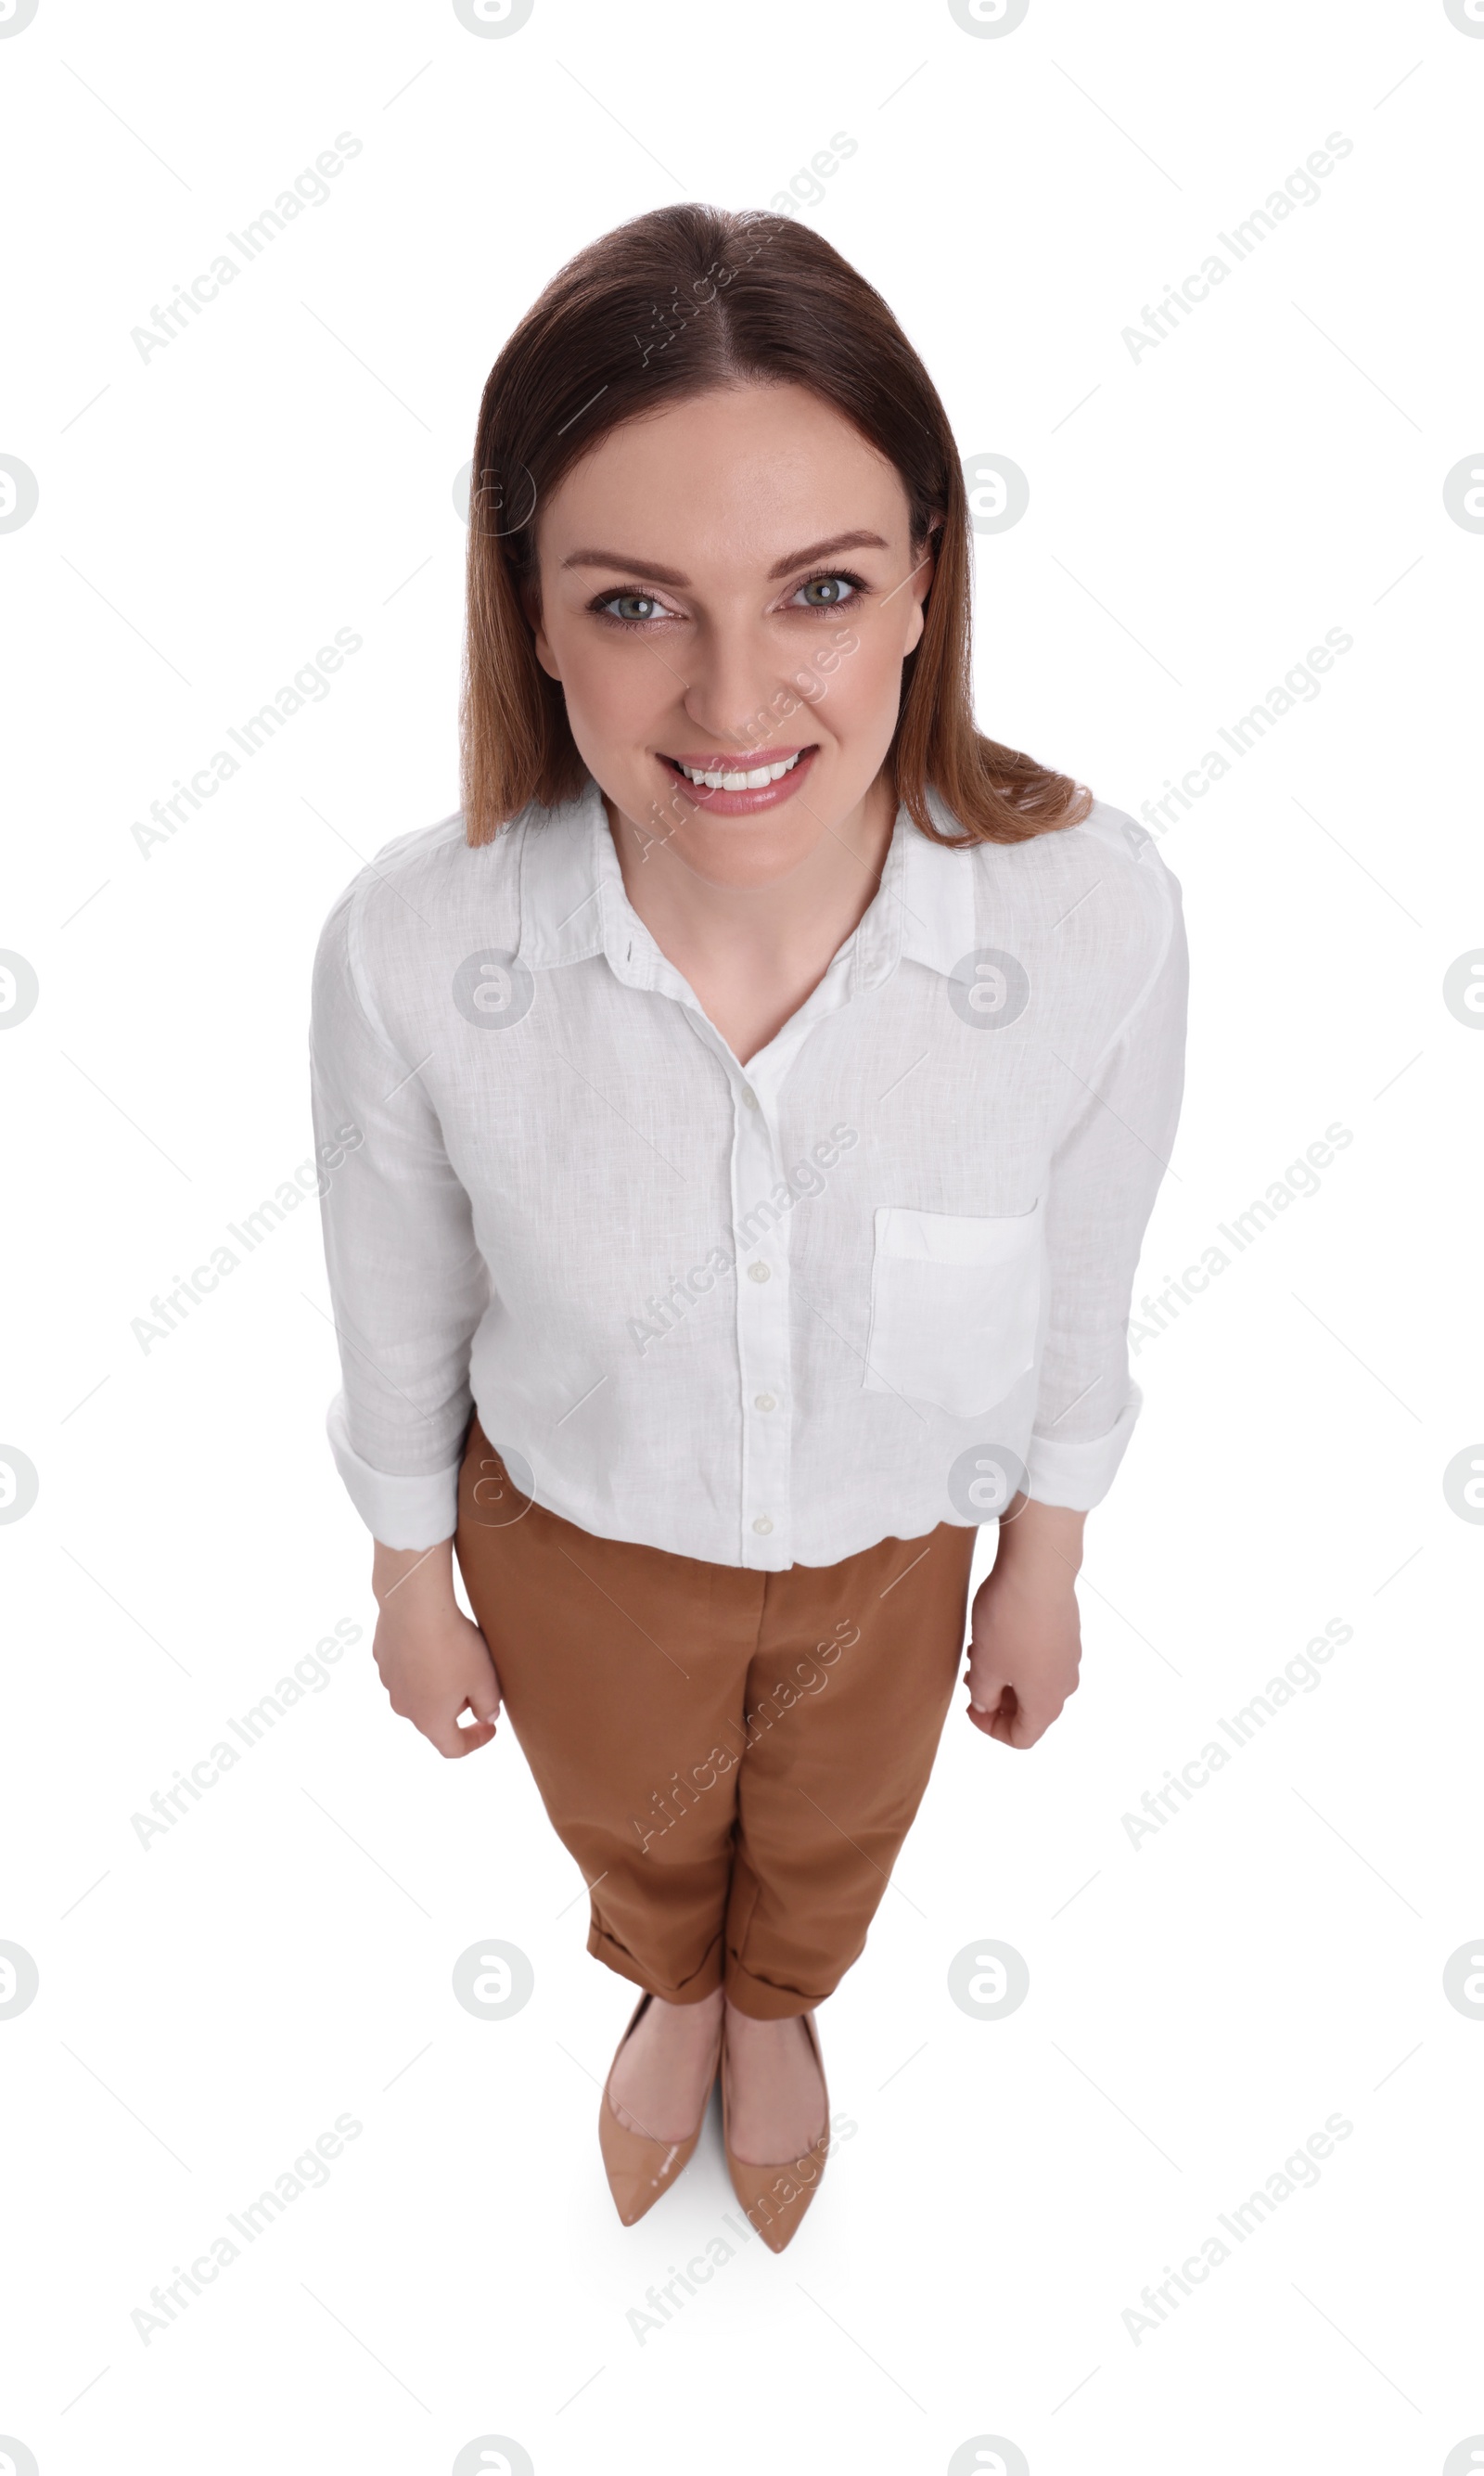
<point>732,1758</point>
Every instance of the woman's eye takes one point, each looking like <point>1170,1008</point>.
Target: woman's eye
<point>635,607</point>
<point>825,592</point>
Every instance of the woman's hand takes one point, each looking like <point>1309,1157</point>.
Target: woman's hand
<point>431,1660</point>
<point>1027,1634</point>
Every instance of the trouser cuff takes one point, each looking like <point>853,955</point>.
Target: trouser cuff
<point>694,1989</point>
<point>761,2000</point>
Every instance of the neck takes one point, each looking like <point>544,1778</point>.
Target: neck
<point>815,905</point>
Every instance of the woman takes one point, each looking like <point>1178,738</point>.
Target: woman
<point>760,1090</point>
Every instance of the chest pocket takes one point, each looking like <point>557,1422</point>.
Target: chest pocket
<point>955,1300</point>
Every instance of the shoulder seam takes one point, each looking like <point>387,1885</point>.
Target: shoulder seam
<point>1167,899</point>
<point>374,873</point>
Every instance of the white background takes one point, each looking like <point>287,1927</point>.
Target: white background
<point>1199,2004</point>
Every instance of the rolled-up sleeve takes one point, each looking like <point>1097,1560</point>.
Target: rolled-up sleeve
<point>407,1284</point>
<point>1105,1174</point>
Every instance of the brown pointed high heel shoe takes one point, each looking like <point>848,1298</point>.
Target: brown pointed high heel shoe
<point>776,2198</point>
<point>640,2170</point>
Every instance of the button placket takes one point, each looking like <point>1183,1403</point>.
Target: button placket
<point>763,1308</point>
<point>761,1285</point>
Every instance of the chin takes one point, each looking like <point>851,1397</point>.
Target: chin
<point>743,851</point>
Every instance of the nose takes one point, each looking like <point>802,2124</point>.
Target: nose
<point>737,695</point>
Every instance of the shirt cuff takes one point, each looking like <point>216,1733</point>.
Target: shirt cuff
<point>1080,1476</point>
<point>399,1512</point>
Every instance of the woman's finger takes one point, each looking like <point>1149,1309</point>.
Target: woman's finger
<point>992,1707</point>
<point>458,1736</point>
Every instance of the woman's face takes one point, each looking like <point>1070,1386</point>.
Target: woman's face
<point>728,589</point>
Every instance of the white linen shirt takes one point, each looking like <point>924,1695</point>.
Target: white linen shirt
<point>875,1280</point>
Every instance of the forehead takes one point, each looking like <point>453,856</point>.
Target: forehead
<point>739,475</point>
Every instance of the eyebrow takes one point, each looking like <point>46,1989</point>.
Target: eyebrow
<point>780,567</point>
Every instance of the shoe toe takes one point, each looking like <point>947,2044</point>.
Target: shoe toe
<point>640,2170</point>
<point>775,2198</point>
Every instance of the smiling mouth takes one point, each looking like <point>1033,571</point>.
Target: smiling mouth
<point>724,774</point>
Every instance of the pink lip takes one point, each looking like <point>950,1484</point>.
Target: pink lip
<point>739,803</point>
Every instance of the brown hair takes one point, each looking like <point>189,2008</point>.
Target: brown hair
<point>665,307</point>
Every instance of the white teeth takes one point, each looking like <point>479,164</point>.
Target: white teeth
<point>752,780</point>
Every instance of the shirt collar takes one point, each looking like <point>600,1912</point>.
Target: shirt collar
<point>573,903</point>
<point>938,899</point>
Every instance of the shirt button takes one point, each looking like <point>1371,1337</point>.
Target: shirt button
<point>759,1273</point>
<point>750,1097</point>
<point>763,1526</point>
<point>765,1401</point>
